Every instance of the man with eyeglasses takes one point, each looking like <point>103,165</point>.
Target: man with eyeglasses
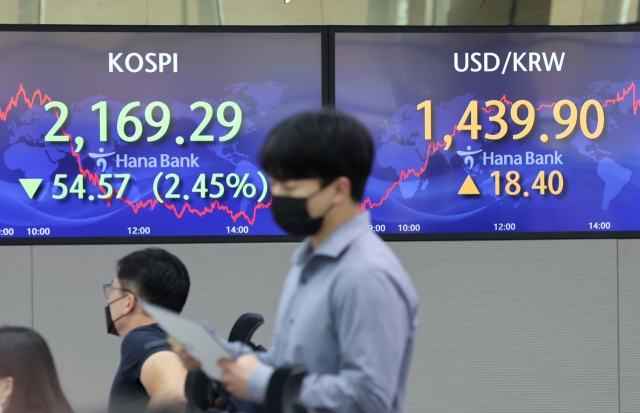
<point>150,376</point>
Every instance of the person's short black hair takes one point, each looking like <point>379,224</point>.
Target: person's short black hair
<point>325,144</point>
<point>156,276</point>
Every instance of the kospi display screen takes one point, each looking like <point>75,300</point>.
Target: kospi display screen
<point>129,134</point>
<point>484,133</point>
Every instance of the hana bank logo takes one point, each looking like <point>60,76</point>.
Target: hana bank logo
<point>101,161</point>
<point>467,157</point>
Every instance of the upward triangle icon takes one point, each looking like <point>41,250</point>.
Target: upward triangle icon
<point>468,187</point>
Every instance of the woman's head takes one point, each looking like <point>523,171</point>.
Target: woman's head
<point>28,378</point>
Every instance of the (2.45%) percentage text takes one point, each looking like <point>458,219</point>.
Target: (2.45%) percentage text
<point>213,187</point>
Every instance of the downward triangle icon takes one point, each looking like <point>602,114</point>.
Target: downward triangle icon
<point>31,186</point>
<point>468,187</point>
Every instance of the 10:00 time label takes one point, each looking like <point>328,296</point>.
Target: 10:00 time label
<point>39,231</point>
<point>408,227</point>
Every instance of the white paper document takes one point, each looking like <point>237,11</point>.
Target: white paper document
<point>197,337</point>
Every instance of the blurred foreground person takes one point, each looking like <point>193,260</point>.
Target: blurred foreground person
<point>150,374</point>
<point>28,378</point>
<point>348,310</point>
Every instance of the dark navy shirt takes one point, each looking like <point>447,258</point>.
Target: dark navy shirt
<point>127,391</point>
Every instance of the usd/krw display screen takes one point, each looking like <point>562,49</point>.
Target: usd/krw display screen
<point>497,132</point>
<point>145,134</point>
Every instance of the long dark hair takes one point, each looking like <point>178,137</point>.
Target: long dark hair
<point>25,356</point>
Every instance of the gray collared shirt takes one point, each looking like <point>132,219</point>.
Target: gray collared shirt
<point>348,312</point>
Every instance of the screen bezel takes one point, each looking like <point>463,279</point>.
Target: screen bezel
<point>134,239</point>
<point>483,236</point>
<point>327,34</point>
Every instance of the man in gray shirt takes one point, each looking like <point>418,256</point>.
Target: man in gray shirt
<point>348,308</point>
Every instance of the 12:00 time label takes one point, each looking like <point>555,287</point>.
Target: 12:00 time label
<point>509,226</point>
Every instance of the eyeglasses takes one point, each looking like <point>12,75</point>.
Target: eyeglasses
<point>108,288</point>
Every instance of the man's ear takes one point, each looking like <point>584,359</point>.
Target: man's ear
<point>131,303</point>
<point>6,387</point>
<point>343,190</point>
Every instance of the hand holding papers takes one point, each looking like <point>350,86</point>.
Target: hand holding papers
<point>197,337</point>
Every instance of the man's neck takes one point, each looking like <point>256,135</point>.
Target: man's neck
<point>333,221</point>
<point>138,320</point>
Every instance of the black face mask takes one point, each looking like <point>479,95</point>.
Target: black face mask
<point>111,324</point>
<point>292,216</point>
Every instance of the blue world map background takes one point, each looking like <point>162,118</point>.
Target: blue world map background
<point>600,175</point>
<point>264,93</point>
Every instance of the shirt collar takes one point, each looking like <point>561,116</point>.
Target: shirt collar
<point>337,242</point>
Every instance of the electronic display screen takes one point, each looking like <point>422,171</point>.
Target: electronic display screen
<point>495,132</point>
<point>130,134</point>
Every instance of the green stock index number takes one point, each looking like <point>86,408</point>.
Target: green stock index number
<point>157,115</point>
<point>77,187</point>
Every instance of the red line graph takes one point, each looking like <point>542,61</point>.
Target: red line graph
<point>404,175</point>
<point>94,178</point>
<point>433,147</point>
